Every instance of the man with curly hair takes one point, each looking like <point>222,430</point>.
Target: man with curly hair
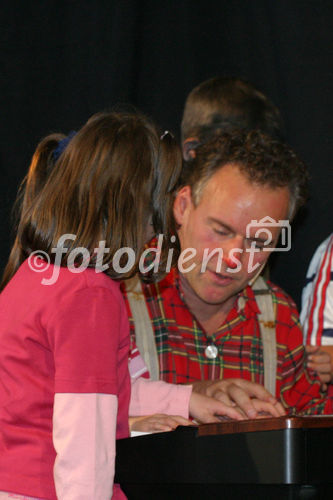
<point>206,315</point>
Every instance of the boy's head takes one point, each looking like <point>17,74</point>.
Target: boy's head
<point>222,104</point>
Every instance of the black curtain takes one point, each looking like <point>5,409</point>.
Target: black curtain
<point>64,60</point>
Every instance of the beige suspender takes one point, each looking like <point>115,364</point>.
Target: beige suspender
<point>267,330</point>
<point>145,338</point>
<point>144,334</point>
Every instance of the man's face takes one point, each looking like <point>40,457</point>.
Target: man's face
<point>228,203</point>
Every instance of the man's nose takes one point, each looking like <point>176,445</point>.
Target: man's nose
<point>233,251</point>
<point>231,264</point>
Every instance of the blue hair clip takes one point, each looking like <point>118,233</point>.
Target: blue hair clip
<point>62,145</point>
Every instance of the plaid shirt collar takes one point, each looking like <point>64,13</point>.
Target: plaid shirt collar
<point>244,306</point>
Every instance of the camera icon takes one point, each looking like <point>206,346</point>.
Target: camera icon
<point>262,227</point>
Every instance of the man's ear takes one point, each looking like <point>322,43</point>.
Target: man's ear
<point>182,204</point>
<point>189,146</point>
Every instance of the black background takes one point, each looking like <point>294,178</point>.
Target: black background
<point>64,60</point>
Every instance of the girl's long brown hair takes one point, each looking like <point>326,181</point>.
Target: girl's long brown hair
<point>115,175</point>
<point>41,165</point>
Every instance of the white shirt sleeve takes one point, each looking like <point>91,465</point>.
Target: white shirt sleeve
<point>84,437</point>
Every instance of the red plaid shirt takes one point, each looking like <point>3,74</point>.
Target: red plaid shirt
<point>181,344</point>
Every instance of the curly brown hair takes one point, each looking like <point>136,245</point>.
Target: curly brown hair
<point>260,158</point>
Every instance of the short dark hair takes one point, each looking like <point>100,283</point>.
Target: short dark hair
<point>260,158</point>
<point>226,103</point>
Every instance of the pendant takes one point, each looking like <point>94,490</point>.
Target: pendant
<point>211,351</point>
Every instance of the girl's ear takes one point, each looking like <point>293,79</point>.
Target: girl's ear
<point>182,204</point>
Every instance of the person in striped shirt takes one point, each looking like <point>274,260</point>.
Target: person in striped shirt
<point>317,310</point>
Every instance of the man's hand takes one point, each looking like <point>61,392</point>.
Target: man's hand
<point>320,361</point>
<point>157,423</point>
<point>207,410</point>
<point>249,397</point>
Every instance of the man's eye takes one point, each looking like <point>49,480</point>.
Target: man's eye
<point>256,244</point>
<point>221,232</point>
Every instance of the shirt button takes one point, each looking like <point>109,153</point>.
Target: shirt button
<point>211,351</point>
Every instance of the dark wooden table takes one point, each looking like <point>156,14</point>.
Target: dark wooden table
<point>271,459</point>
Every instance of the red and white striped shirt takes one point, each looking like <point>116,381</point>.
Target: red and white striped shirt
<point>317,297</point>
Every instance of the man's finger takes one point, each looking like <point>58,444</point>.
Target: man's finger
<point>255,390</point>
<point>280,409</point>
<point>268,408</point>
<point>312,348</point>
<point>321,357</point>
<point>320,367</point>
<point>325,378</point>
<point>243,400</point>
<point>227,411</point>
<point>223,397</point>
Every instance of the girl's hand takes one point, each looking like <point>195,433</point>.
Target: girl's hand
<point>158,422</point>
